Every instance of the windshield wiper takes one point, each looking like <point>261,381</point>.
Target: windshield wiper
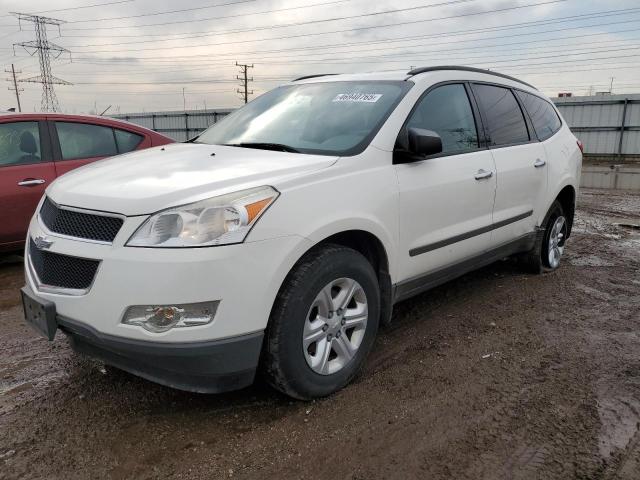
<point>265,146</point>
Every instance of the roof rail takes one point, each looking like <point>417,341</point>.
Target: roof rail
<point>416,71</point>
<point>314,76</point>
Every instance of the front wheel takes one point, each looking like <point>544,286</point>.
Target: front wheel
<point>323,323</point>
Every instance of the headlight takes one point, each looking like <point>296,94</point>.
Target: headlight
<point>216,221</point>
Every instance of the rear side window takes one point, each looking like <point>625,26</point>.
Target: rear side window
<point>446,110</point>
<point>543,116</point>
<point>83,140</point>
<point>502,114</point>
<point>127,141</point>
<point>19,143</point>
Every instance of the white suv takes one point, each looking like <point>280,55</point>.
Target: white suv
<point>280,238</point>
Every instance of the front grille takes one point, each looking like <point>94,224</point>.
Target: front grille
<point>78,224</point>
<point>63,271</point>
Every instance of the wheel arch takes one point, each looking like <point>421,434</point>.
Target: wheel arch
<point>566,194</point>
<point>373,249</point>
<point>567,198</point>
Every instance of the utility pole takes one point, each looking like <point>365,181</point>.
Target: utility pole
<point>45,50</point>
<point>15,85</point>
<point>611,86</point>
<point>244,90</point>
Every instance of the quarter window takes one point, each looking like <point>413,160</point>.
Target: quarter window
<point>19,143</point>
<point>83,140</point>
<point>127,141</point>
<point>543,116</point>
<point>446,110</point>
<point>503,117</point>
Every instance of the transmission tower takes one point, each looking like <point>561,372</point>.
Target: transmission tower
<point>45,50</point>
<point>244,81</point>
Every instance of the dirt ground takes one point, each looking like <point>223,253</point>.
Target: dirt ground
<point>496,375</point>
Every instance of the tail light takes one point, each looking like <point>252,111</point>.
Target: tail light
<point>580,146</point>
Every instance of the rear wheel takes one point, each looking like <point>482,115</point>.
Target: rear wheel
<point>323,323</point>
<point>549,246</point>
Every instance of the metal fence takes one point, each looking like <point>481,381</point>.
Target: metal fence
<point>608,125</point>
<point>180,126</point>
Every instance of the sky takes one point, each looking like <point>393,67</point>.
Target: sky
<point>156,55</point>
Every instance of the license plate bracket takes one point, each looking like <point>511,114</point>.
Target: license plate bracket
<point>39,313</point>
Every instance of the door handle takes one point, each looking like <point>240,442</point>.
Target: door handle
<point>483,174</point>
<point>31,182</point>
<point>539,163</point>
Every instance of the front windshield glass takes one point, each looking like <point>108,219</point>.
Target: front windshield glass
<point>332,118</point>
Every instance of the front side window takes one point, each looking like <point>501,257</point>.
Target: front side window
<point>447,111</point>
<point>327,118</point>
<point>503,117</point>
<point>19,143</point>
<point>543,116</point>
<point>83,140</point>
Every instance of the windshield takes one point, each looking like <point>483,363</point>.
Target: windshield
<point>333,118</point>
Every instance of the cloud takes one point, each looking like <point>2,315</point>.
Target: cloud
<point>127,63</point>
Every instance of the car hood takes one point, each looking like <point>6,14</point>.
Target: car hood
<point>146,181</point>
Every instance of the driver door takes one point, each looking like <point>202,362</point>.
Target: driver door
<point>446,200</point>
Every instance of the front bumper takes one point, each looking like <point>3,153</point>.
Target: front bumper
<point>222,355</point>
<point>203,367</point>
<point>243,278</point>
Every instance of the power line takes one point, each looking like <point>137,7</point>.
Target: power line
<point>432,44</point>
<point>15,85</point>
<point>75,8</point>
<point>350,17</point>
<point>310,34</point>
<point>193,34</point>
<point>456,33</point>
<point>436,56</point>
<point>44,48</point>
<point>167,12</point>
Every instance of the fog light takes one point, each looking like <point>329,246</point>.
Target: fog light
<point>161,318</point>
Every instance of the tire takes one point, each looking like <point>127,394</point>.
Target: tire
<point>301,369</point>
<point>539,259</point>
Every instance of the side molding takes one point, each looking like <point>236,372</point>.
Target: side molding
<point>464,236</point>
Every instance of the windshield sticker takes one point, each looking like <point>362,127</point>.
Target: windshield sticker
<point>358,97</point>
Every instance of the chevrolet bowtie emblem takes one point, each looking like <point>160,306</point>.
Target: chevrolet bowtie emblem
<point>43,243</point>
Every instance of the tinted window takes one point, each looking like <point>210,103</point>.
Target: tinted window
<point>503,116</point>
<point>127,141</point>
<point>446,110</point>
<point>543,116</point>
<point>82,140</point>
<point>19,143</point>
<point>326,117</point>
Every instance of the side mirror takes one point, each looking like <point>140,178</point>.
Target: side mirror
<point>424,142</point>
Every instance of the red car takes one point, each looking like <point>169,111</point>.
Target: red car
<point>37,148</point>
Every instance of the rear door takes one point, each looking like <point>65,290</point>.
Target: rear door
<point>26,169</point>
<point>78,143</point>
<point>446,200</point>
<point>519,159</point>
